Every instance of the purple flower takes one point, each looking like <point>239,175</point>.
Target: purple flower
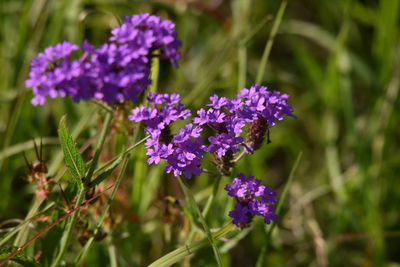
<point>253,199</point>
<point>258,102</point>
<point>240,215</point>
<point>145,33</point>
<point>117,71</point>
<point>224,142</point>
<point>51,72</point>
<point>183,151</point>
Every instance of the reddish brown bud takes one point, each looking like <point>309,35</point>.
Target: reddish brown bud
<point>225,163</point>
<point>256,133</point>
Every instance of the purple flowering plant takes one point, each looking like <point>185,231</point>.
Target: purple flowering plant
<point>118,72</point>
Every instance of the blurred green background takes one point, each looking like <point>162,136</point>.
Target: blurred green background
<point>338,60</point>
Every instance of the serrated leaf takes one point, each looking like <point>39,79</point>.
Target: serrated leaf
<point>73,159</point>
<point>107,172</point>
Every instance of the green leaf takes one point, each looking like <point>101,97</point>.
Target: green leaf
<point>107,172</point>
<point>73,159</point>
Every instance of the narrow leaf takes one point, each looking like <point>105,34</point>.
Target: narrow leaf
<point>73,159</point>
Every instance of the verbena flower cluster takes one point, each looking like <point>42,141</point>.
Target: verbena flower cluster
<point>252,111</point>
<point>252,199</point>
<point>182,151</point>
<point>227,117</point>
<point>116,71</point>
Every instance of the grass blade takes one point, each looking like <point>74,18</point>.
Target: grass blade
<point>270,42</point>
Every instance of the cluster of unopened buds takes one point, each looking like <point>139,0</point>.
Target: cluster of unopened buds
<point>119,71</point>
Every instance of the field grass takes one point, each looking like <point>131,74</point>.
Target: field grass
<point>338,161</point>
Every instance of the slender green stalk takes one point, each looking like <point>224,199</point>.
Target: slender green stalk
<point>66,237</point>
<point>129,149</point>
<point>17,228</point>
<point>192,202</point>
<point>270,42</point>
<point>104,131</point>
<point>242,55</point>
<point>180,253</point>
<point>82,192</point>
<point>113,255</point>
<point>211,198</point>
<point>155,70</point>
<point>207,207</point>
<point>23,233</point>
<point>89,243</point>
<point>285,191</point>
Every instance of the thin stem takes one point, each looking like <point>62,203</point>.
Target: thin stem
<point>180,253</point>
<point>241,155</point>
<point>155,70</point>
<point>104,131</point>
<point>47,228</point>
<point>207,206</point>
<point>68,231</point>
<point>103,106</point>
<point>17,228</point>
<point>189,197</point>
<point>82,191</point>
<point>270,42</point>
<point>129,149</point>
<point>88,244</point>
<point>113,255</point>
<point>242,55</point>
<point>285,191</point>
<point>212,196</point>
<point>23,233</point>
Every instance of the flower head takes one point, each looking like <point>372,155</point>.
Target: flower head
<point>253,199</point>
<point>145,33</point>
<point>116,71</point>
<point>182,151</point>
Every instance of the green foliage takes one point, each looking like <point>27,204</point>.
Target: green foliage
<point>338,60</point>
<point>73,159</point>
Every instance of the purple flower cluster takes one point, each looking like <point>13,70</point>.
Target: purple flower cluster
<point>252,199</point>
<point>182,151</point>
<point>116,71</point>
<point>256,107</point>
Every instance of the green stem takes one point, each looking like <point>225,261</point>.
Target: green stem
<point>270,42</point>
<point>129,149</point>
<point>207,207</point>
<point>89,243</point>
<point>285,191</point>
<point>242,55</point>
<point>155,70</point>
<point>180,253</point>
<point>104,131</point>
<point>113,255</point>
<point>82,191</point>
<point>70,226</point>
<point>17,228</point>
<point>212,196</point>
<point>189,197</point>
<point>23,233</point>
